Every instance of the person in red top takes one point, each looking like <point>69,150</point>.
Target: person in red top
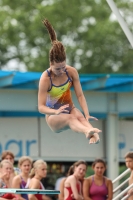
<point>61,186</point>
<point>73,185</point>
<point>38,172</point>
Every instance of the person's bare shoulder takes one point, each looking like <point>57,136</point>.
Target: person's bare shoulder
<point>44,76</point>
<point>69,179</point>
<point>44,81</point>
<point>87,181</point>
<point>17,178</point>
<point>73,73</point>
<point>70,69</point>
<point>107,180</point>
<point>34,183</point>
<point>130,180</point>
<point>89,178</point>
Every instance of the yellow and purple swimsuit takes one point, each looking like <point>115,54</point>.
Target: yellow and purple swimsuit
<point>60,95</point>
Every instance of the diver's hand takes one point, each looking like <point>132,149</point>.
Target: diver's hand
<point>62,109</point>
<point>90,118</point>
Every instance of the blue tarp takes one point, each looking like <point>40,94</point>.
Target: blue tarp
<point>98,82</point>
<point>92,82</point>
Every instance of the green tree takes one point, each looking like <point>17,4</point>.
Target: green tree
<point>94,42</point>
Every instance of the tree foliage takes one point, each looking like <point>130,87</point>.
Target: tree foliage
<point>94,41</point>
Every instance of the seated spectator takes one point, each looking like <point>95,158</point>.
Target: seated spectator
<point>6,169</point>
<point>8,155</point>
<point>22,180</point>
<point>129,164</point>
<point>97,186</point>
<point>61,186</point>
<point>38,172</point>
<point>72,184</point>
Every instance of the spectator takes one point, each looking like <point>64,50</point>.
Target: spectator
<point>22,180</point>
<point>129,164</point>
<point>38,172</point>
<point>97,186</point>
<point>61,187</point>
<point>72,184</point>
<point>6,169</point>
<point>8,155</point>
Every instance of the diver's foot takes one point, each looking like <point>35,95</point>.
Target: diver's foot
<point>95,139</point>
<point>91,132</point>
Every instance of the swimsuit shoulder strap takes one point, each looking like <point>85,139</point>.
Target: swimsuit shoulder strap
<point>21,178</point>
<point>68,75</point>
<point>42,186</point>
<point>28,182</point>
<point>48,72</point>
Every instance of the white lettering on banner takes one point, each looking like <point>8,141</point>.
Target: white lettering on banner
<point>20,144</point>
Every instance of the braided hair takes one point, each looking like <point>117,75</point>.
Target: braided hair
<point>57,52</point>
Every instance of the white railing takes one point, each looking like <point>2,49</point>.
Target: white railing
<point>121,185</point>
<point>121,175</point>
<point>123,192</point>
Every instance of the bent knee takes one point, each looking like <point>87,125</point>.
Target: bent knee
<point>81,118</point>
<point>72,116</point>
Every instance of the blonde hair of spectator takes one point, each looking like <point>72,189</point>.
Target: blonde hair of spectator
<point>36,165</point>
<point>3,162</point>
<point>23,159</point>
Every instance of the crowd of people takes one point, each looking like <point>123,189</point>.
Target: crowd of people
<point>74,186</point>
<point>28,175</point>
<point>77,186</point>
